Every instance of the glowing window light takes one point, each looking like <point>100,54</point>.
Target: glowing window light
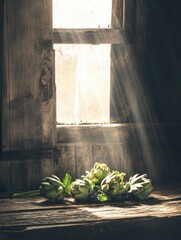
<point>82,71</point>
<point>82,13</point>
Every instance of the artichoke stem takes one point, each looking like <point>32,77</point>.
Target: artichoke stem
<point>32,193</point>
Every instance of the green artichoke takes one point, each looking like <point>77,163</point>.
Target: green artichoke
<point>113,184</point>
<point>82,189</point>
<point>52,188</point>
<point>98,172</point>
<point>139,187</point>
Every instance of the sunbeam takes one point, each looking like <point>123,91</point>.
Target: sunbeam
<point>117,95</point>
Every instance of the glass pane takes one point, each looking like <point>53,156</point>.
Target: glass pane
<point>83,83</point>
<point>82,13</point>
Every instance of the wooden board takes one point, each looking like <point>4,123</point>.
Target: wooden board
<point>5,180</point>
<point>83,160</point>
<point>28,86</point>
<point>159,216</point>
<point>66,161</point>
<point>5,85</point>
<point>89,36</point>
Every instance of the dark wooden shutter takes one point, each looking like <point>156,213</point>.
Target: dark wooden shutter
<point>28,83</point>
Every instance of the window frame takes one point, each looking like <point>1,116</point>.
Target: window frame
<point>121,33</point>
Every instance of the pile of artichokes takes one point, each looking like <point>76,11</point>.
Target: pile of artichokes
<point>100,184</point>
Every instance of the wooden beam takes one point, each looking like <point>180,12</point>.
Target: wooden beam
<point>89,36</point>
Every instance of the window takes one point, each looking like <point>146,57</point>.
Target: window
<point>82,71</point>
<point>83,36</point>
<point>83,83</point>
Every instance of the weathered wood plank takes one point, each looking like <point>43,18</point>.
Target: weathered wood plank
<point>89,214</point>
<point>162,229</point>
<point>66,161</point>
<point>94,134</point>
<point>5,84</point>
<point>30,74</point>
<point>159,216</point>
<point>34,173</point>
<point>151,209</point>
<point>84,159</point>
<point>119,133</point>
<point>89,36</point>
<point>18,175</point>
<point>111,154</point>
<point>153,229</point>
<point>5,179</point>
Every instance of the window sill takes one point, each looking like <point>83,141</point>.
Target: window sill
<point>117,133</point>
<point>90,133</point>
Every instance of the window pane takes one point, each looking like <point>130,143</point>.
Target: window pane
<point>82,13</point>
<point>83,83</point>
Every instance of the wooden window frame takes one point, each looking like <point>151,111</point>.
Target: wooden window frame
<point>120,34</point>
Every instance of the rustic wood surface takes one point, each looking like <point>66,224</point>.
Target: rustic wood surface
<point>26,218</point>
<point>28,81</point>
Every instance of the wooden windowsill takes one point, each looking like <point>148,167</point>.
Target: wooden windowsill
<point>117,133</point>
<point>157,218</point>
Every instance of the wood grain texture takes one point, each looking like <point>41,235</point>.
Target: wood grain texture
<point>30,78</point>
<point>49,166</point>
<point>111,154</point>
<point>34,173</point>
<point>18,175</point>
<point>83,160</point>
<point>66,161</point>
<point>160,216</point>
<point>5,180</point>
<point>5,84</point>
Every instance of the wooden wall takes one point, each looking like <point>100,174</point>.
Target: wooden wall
<point>28,94</point>
<point>33,147</point>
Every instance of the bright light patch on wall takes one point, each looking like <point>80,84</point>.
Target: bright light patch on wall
<point>83,83</point>
<point>82,71</point>
<point>82,13</point>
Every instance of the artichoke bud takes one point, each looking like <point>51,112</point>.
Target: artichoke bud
<point>139,186</point>
<point>51,194</point>
<point>81,196</point>
<point>113,184</point>
<point>98,172</point>
<point>57,178</point>
<point>81,189</point>
<point>53,181</point>
<point>52,188</point>
<point>84,189</point>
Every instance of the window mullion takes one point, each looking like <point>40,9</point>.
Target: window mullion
<point>88,36</point>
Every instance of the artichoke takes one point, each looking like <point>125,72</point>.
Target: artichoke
<point>139,187</point>
<point>113,184</point>
<point>98,173</point>
<point>52,188</point>
<point>82,189</point>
